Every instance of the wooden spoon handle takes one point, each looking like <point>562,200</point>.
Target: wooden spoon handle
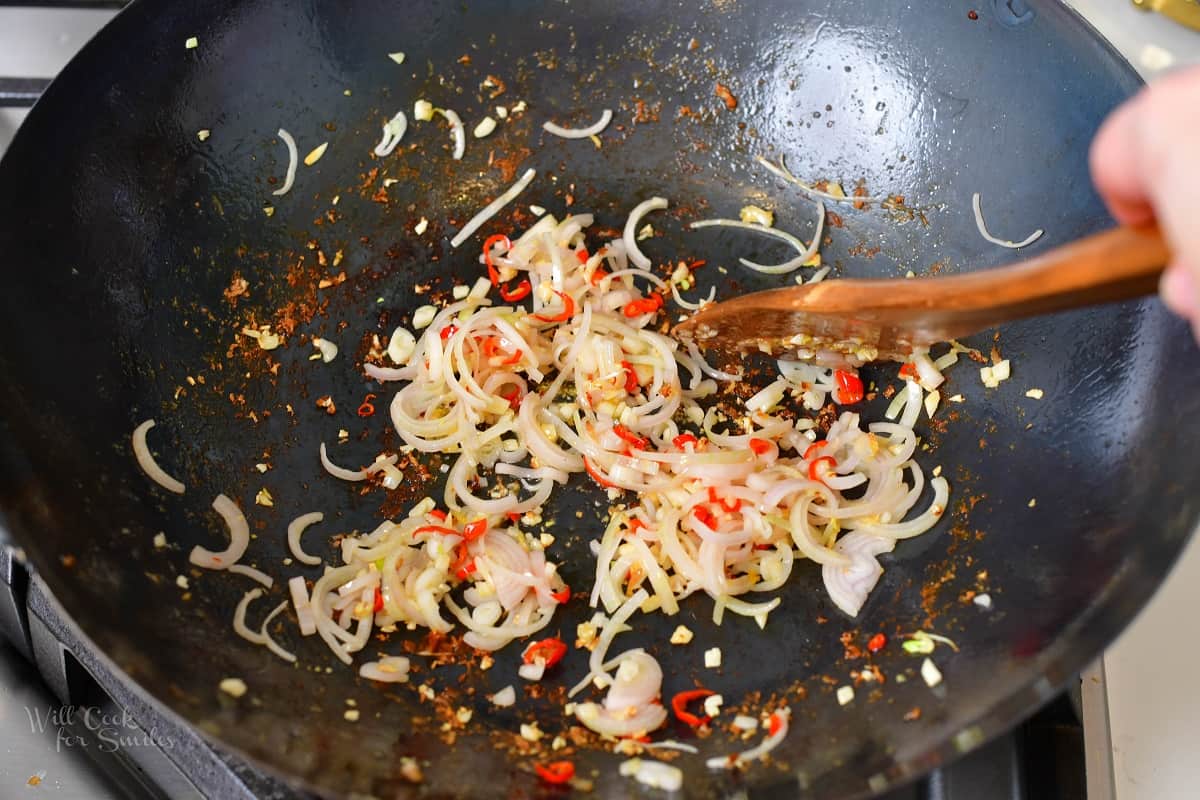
<point>1114,265</point>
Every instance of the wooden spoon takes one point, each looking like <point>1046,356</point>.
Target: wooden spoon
<point>878,319</point>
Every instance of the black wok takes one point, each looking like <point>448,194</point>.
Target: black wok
<point>121,230</point>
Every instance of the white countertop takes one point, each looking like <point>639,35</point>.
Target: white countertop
<point>1153,704</point>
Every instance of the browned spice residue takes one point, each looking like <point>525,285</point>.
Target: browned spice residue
<point>498,86</point>
<point>972,15</point>
<point>645,113</point>
<point>238,287</point>
<point>727,97</point>
<point>851,651</point>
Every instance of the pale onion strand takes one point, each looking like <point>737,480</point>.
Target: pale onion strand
<point>295,529</point>
<point>293,162</point>
<point>631,228</point>
<point>983,231</point>
<point>580,133</point>
<point>493,207</point>
<point>239,538</point>
<point>146,461</point>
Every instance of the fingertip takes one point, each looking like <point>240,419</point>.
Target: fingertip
<point>1177,287</point>
<point>1114,162</point>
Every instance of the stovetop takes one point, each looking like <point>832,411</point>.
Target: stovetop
<point>70,724</point>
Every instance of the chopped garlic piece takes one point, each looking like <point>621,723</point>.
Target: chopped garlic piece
<point>983,600</point>
<point>537,211</point>
<point>757,216</point>
<point>712,657</point>
<point>234,687</point>
<point>423,316</point>
<point>181,581</point>
<point>463,714</point>
<point>203,135</point>
<point>328,349</point>
<point>351,715</point>
<point>315,155</point>
<point>655,774</point>
<point>421,226</point>
<point>423,110</point>
<point>461,291</point>
<point>505,697</point>
<point>682,635</point>
<point>712,704</point>
<point>263,498</point>
<point>931,402</point>
<point>191,43</point>
<point>160,540</point>
<point>397,57</point>
<point>1035,394</point>
<point>930,672</point>
<point>845,694</point>
<point>530,732</point>
<point>585,635</point>
<point>744,722</point>
<point>646,232</point>
<point>485,127</point>
<point>1032,502</point>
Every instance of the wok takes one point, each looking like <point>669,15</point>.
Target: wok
<point>122,230</point>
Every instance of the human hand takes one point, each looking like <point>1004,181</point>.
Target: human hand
<point>1146,165</point>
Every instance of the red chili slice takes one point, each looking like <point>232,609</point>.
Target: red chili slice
<point>814,447</point>
<point>850,387</point>
<point>631,378</point>
<point>513,295</point>
<point>498,238</point>
<point>378,600</point>
<point>435,529</point>
<point>877,643</point>
<point>596,476</point>
<point>704,515</point>
<point>760,446</point>
<point>812,467</point>
<point>631,438</point>
<point>598,276</point>
<point>582,255</point>
<point>774,725</point>
<point>679,705</point>
<point>474,530</point>
<point>562,595</point>
<point>463,564</point>
<point>647,305</point>
<point>564,315</point>
<point>549,651</point>
<point>725,503</point>
<point>908,370</point>
<point>437,513</point>
<point>682,439</point>
<point>556,772</point>
<point>367,409</point>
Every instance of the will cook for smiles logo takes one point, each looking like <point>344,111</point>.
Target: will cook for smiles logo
<point>93,727</point>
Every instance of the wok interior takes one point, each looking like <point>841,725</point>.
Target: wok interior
<point>123,229</point>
